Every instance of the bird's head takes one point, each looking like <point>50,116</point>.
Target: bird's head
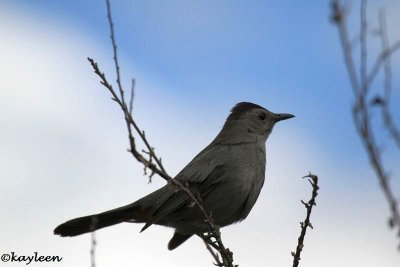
<point>251,118</point>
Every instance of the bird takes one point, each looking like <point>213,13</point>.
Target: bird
<point>228,175</point>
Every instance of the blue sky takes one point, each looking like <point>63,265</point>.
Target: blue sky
<point>64,141</point>
<point>211,51</point>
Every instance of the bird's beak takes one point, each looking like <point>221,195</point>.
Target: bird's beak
<point>282,116</point>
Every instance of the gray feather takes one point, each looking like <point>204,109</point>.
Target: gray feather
<point>227,175</point>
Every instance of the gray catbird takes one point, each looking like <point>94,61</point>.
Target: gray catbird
<point>228,175</point>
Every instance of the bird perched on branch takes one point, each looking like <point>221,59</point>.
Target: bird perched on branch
<point>227,175</point>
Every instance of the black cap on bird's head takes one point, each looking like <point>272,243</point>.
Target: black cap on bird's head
<point>243,107</point>
<point>255,118</point>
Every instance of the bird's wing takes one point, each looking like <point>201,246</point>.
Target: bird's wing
<point>200,168</point>
<point>201,174</point>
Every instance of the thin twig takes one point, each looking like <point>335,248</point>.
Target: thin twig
<point>361,112</point>
<point>132,96</point>
<point>387,70</point>
<point>93,242</point>
<point>387,83</point>
<point>339,17</point>
<point>380,60</point>
<point>155,166</point>
<point>213,254</point>
<point>114,45</point>
<point>93,249</point>
<point>363,50</point>
<point>313,179</point>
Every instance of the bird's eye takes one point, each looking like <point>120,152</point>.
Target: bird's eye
<point>262,116</point>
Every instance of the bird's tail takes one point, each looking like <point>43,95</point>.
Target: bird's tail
<point>86,224</point>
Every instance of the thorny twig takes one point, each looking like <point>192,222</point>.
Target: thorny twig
<point>361,90</point>
<point>213,254</point>
<point>154,163</point>
<point>313,179</point>
<point>155,167</point>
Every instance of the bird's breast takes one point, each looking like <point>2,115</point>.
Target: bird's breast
<point>246,167</point>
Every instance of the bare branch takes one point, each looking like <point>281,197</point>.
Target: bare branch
<point>93,242</point>
<point>361,111</point>
<point>380,60</point>
<point>313,179</point>
<point>156,167</point>
<point>339,17</point>
<point>93,249</point>
<point>363,50</point>
<point>385,46</point>
<point>385,103</point>
<point>112,36</point>
<point>213,254</point>
<point>159,169</point>
<point>132,96</point>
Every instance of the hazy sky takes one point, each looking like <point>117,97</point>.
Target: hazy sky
<point>63,141</point>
